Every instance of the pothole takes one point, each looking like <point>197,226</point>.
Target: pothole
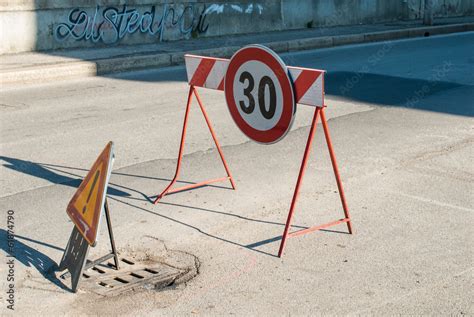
<point>146,269</point>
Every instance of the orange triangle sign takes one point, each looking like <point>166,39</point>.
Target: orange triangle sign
<point>85,207</point>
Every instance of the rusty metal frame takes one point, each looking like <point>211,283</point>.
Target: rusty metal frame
<point>168,189</point>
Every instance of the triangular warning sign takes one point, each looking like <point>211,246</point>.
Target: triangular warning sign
<point>85,207</point>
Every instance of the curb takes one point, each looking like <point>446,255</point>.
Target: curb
<point>81,69</point>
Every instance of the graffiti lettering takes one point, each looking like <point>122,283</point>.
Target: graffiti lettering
<point>111,24</point>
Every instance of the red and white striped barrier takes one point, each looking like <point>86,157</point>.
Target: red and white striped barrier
<point>209,72</point>
<point>308,85</point>
<point>206,72</point>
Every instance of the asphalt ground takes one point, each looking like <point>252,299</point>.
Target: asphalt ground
<point>401,121</point>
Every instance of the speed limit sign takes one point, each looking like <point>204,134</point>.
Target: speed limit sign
<point>259,94</point>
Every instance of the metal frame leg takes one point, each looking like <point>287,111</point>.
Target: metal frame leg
<point>336,171</point>
<point>168,190</point>
<point>111,234</point>
<point>181,146</point>
<point>286,234</point>
<point>309,144</point>
<point>229,175</point>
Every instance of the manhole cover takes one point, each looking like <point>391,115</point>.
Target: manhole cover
<point>104,279</point>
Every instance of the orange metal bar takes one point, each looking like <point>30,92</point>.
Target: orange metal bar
<point>336,171</point>
<point>300,179</point>
<point>168,190</point>
<point>315,228</point>
<point>191,186</point>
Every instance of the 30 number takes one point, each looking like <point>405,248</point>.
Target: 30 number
<point>262,86</point>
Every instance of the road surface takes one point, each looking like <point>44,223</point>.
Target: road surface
<point>401,118</point>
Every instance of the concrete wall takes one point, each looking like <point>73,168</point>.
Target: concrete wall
<point>35,25</point>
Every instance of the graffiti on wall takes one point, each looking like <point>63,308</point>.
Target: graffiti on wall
<point>111,24</point>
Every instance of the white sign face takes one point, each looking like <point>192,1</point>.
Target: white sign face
<point>259,94</point>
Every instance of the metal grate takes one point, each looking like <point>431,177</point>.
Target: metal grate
<point>104,279</point>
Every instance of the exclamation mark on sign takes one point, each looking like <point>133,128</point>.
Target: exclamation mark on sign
<point>96,177</point>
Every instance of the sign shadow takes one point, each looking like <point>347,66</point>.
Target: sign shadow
<point>31,257</point>
<point>252,246</point>
<point>56,174</point>
<point>49,172</point>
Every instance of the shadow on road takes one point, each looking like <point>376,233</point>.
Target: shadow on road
<point>31,257</point>
<point>49,172</point>
<point>56,174</point>
<point>384,90</point>
<point>192,227</point>
<point>251,246</point>
<point>376,89</point>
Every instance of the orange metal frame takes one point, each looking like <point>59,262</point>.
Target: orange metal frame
<point>318,112</point>
<point>168,189</point>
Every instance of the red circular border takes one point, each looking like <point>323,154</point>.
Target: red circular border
<point>261,54</point>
